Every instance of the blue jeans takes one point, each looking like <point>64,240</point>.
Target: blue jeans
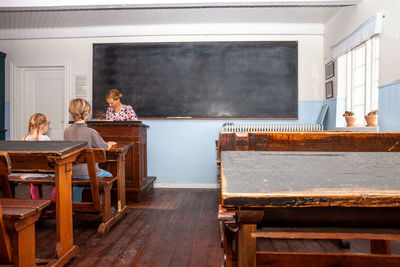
<point>78,190</point>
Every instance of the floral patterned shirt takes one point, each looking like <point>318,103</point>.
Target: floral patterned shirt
<point>125,114</point>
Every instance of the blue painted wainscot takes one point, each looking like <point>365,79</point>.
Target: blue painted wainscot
<point>181,153</point>
<point>389,107</point>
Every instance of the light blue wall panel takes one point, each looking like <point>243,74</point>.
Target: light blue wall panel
<point>389,107</point>
<point>183,151</point>
<point>330,119</point>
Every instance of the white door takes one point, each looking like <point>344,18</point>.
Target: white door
<point>42,91</point>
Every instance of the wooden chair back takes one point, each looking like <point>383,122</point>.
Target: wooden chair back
<point>91,156</point>
<point>5,170</point>
<point>99,208</point>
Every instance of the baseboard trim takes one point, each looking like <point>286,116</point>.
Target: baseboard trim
<point>176,185</point>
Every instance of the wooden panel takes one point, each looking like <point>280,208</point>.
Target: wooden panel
<point>380,246</point>
<point>373,217</point>
<point>310,141</point>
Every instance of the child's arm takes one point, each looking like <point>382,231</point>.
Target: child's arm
<point>98,142</point>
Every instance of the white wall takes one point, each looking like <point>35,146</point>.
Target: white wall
<point>181,153</point>
<point>78,53</point>
<point>348,19</point>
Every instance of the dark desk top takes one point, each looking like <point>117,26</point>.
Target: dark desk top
<point>120,147</point>
<point>296,179</point>
<point>115,123</point>
<point>44,147</point>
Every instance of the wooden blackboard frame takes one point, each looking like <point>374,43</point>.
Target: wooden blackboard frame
<point>268,69</point>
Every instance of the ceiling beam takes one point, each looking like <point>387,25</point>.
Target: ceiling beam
<point>10,5</point>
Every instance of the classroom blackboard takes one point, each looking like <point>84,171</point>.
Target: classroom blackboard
<point>199,79</point>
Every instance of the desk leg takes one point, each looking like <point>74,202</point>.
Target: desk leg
<point>24,250</point>
<point>64,211</point>
<point>121,183</point>
<point>230,246</point>
<point>247,245</point>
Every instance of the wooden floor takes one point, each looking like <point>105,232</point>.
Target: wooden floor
<point>171,227</point>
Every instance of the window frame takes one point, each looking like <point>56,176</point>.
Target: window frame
<point>362,72</point>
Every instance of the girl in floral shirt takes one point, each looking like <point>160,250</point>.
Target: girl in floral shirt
<point>116,110</point>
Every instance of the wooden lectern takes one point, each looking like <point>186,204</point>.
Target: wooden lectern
<point>137,181</point>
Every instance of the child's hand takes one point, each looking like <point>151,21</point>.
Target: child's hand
<point>111,144</point>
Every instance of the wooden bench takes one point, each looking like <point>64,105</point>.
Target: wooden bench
<point>96,207</point>
<point>17,223</point>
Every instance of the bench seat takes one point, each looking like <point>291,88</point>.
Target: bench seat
<point>18,219</point>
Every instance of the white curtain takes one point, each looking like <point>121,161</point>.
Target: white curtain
<point>365,31</point>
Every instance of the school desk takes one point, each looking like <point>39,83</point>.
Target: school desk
<point>312,195</point>
<point>57,156</point>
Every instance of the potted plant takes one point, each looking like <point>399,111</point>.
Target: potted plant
<point>371,118</point>
<point>350,119</point>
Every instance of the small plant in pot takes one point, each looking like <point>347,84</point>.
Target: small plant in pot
<point>371,118</point>
<point>350,119</point>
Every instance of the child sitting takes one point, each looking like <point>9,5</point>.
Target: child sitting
<point>37,131</point>
<point>79,131</point>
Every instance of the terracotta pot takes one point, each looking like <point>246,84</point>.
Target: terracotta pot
<point>350,121</point>
<point>371,120</point>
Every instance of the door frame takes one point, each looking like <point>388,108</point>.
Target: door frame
<point>17,71</point>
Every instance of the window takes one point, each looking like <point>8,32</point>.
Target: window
<point>358,73</point>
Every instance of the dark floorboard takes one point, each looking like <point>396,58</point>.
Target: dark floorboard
<point>170,227</point>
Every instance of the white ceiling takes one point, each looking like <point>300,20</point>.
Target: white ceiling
<point>16,15</point>
<point>90,18</point>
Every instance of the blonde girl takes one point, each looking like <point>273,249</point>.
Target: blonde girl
<point>37,128</point>
<point>37,131</point>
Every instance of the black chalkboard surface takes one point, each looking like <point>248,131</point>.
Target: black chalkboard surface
<point>199,80</point>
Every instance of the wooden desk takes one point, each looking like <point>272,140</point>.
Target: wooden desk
<point>57,156</point>
<point>115,163</point>
<point>137,181</point>
<point>311,195</point>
